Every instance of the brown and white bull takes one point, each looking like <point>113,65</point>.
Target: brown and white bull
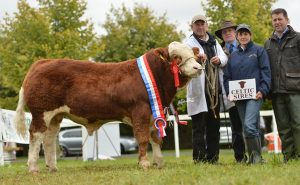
<point>92,94</point>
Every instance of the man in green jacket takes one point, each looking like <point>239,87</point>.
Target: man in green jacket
<point>283,49</point>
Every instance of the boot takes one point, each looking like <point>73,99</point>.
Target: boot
<point>199,156</point>
<point>254,150</point>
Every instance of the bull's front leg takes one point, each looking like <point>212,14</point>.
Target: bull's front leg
<point>142,133</point>
<point>156,149</point>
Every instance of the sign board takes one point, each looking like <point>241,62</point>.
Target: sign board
<point>242,89</point>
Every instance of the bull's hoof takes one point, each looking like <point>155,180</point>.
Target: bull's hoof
<point>34,171</point>
<point>158,165</point>
<point>53,169</point>
<point>158,162</point>
<point>32,168</point>
<point>144,164</point>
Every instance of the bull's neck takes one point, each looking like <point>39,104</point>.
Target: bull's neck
<point>164,80</point>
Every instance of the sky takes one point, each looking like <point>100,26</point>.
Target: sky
<point>179,12</point>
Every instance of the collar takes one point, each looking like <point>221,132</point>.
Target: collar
<point>211,41</point>
<point>234,43</point>
<point>249,45</point>
<point>283,33</point>
<point>206,38</point>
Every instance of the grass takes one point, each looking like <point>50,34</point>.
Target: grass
<point>124,170</point>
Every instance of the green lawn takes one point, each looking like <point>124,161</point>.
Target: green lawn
<point>124,170</point>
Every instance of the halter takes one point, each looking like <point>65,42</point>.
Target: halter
<point>183,62</point>
<point>175,68</point>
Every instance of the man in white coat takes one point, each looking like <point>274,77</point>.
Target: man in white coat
<point>203,93</point>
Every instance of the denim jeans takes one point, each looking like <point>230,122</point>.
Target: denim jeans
<point>238,144</point>
<point>249,114</point>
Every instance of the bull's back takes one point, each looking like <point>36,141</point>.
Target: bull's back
<point>81,85</point>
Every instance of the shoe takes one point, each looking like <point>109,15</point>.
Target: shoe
<point>242,160</point>
<point>198,161</point>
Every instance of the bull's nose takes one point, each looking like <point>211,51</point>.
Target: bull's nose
<point>198,67</point>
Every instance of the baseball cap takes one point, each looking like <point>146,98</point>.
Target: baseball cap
<point>243,26</point>
<point>199,18</point>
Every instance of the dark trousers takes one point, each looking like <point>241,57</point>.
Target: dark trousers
<point>287,109</point>
<point>206,136</point>
<point>238,143</point>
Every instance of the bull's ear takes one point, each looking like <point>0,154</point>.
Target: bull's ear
<point>195,50</point>
<point>196,53</point>
<point>162,53</point>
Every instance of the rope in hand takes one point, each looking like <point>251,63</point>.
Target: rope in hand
<point>212,85</point>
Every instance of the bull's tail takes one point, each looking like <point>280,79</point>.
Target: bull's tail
<point>20,115</point>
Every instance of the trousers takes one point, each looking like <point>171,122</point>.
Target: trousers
<point>287,115</point>
<point>238,143</point>
<point>206,136</point>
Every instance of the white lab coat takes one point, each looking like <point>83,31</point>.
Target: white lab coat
<point>196,101</point>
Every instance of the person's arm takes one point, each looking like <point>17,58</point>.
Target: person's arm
<point>227,76</point>
<point>265,72</point>
<point>221,57</point>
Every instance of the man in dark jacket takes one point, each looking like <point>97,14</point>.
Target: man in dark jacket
<point>228,35</point>
<point>284,53</point>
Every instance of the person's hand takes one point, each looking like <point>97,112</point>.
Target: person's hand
<point>202,57</point>
<point>259,95</point>
<point>215,60</point>
<point>230,98</point>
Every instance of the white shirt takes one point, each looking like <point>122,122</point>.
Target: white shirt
<point>196,101</point>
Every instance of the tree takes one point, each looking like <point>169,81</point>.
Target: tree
<point>256,13</point>
<point>72,37</point>
<point>55,30</point>
<point>23,40</point>
<point>131,33</point>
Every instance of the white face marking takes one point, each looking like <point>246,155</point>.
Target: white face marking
<point>190,66</point>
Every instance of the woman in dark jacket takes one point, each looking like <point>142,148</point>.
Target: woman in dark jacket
<point>249,62</point>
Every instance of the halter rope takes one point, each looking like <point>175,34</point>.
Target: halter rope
<point>212,85</point>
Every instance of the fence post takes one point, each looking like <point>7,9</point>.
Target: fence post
<point>275,133</point>
<point>176,138</point>
<point>1,154</point>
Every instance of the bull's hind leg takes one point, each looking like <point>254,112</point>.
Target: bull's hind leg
<point>37,129</point>
<point>49,143</point>
<point>156,149</point>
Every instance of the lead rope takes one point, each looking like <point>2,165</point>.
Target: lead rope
<point>212,85</point>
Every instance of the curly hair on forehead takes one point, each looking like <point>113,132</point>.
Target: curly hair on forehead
<point>279,11</point>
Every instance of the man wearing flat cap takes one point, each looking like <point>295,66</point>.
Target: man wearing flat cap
<point>203,103</point>
<point>227,34</point>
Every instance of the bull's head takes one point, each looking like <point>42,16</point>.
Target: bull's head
<point>185,59</point>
